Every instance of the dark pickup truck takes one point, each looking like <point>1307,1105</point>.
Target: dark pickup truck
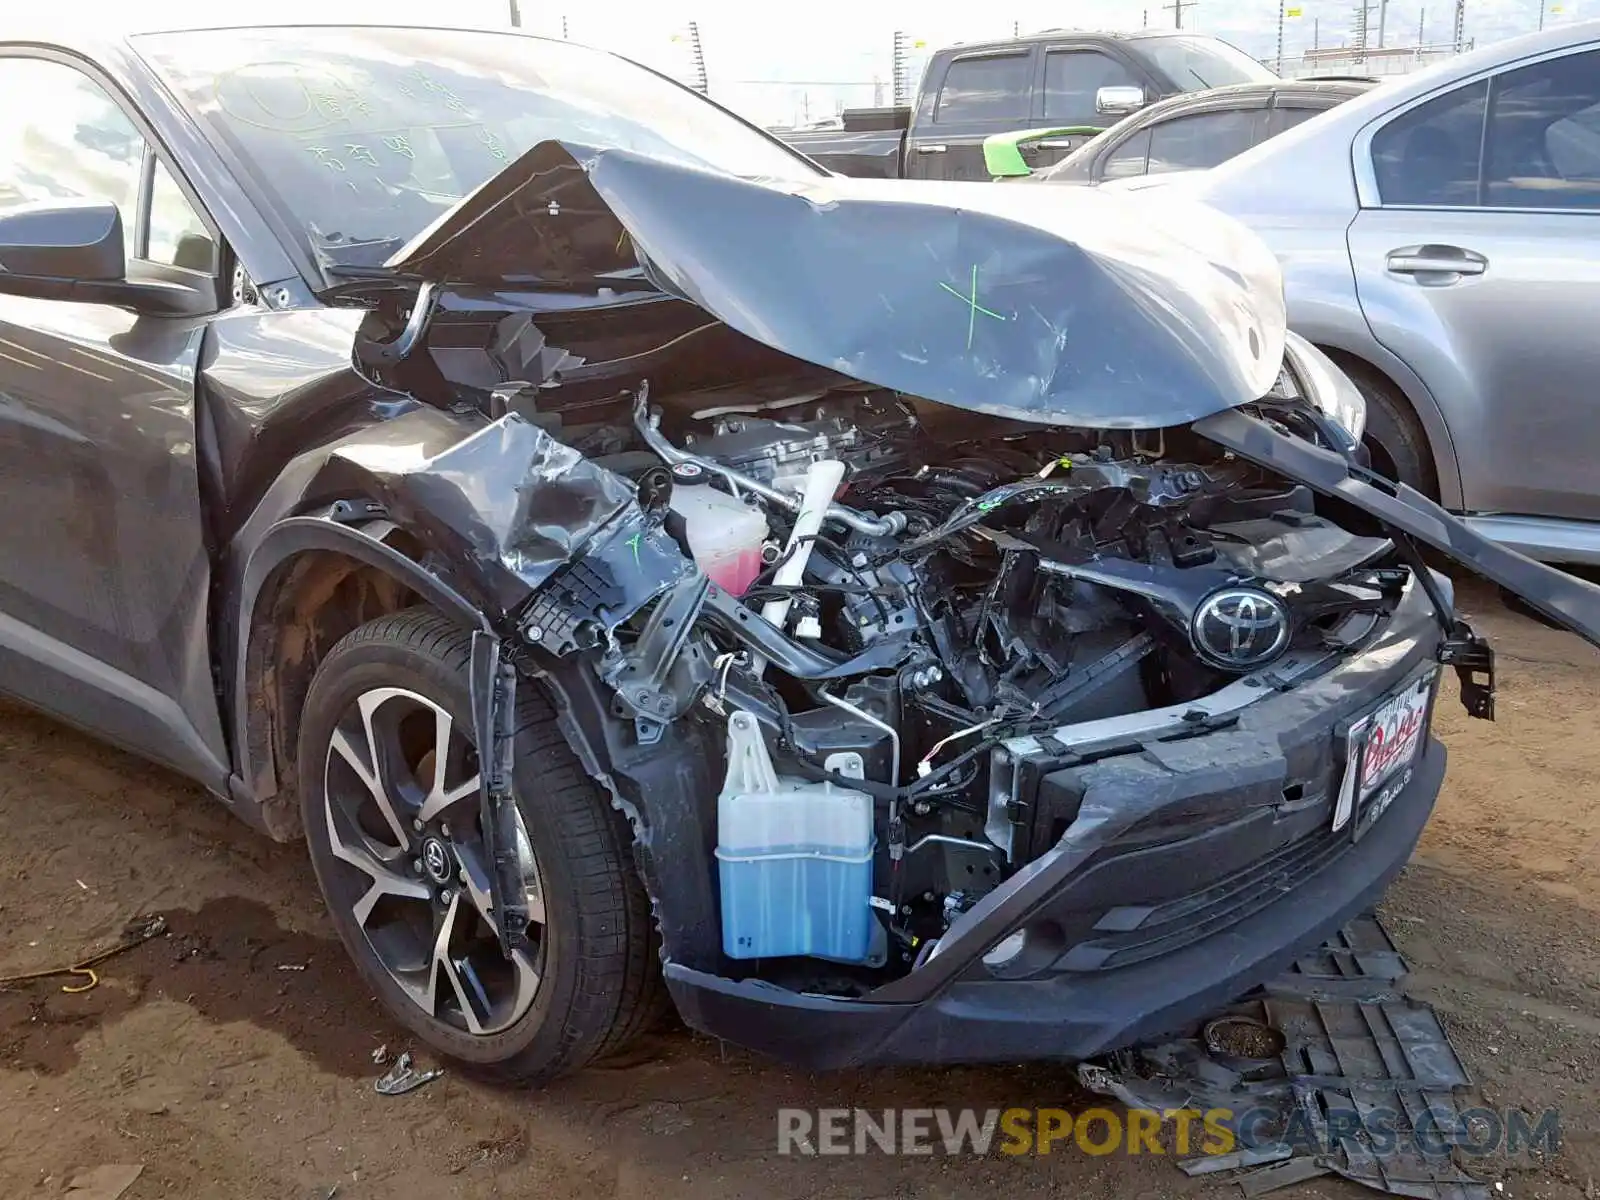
<point>1059,79</point>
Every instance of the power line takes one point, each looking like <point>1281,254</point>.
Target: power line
<point>902,68</point>
<point>698,59</point>
<point>1363,12</point>
<point>1177,7</point>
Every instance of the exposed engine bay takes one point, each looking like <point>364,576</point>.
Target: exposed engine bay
<point>888,591</point>
<point>995,649</point>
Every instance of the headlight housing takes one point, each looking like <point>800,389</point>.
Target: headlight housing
<point>1310,374</point>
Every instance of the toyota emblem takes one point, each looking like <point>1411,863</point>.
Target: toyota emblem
<point>436,860</point>
<point>1240,628</point>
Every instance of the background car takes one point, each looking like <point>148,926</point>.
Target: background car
<point>1438,240</point>
<point>1200,129</point>
<point>1065,84</point>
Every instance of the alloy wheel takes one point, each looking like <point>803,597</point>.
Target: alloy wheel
<point>401,803</point>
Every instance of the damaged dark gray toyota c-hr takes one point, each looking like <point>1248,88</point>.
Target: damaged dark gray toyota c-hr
<point>911,622</point>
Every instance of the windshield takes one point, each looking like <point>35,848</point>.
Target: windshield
<point>367,135</point>
<point>1194,64</point>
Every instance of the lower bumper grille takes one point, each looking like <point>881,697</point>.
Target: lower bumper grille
<point>1135,934</point>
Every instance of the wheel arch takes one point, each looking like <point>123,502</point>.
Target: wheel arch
<point>1406,385</point>
<point>308,582</point>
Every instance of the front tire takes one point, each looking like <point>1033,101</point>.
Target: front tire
<point>388,787</point>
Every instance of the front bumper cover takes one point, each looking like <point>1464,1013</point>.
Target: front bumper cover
<point>1190,871</point>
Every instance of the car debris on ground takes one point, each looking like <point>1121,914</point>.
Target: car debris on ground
<point>104,1182</point>
<point>136,932</point>
<point>401,1078</point>
<point>1308,1066</point>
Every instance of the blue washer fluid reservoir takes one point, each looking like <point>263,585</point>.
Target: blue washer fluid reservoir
<point>794,858</point>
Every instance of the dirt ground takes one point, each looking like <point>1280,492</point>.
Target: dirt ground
<point>234,1056</point>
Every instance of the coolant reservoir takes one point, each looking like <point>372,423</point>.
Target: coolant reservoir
<point>725,534</point>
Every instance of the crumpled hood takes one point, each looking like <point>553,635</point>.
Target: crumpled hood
<point>1060,305</point>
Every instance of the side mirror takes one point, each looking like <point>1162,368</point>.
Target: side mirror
<point>69,240</point>
<point>73,250</point>
<point>1119,101</point>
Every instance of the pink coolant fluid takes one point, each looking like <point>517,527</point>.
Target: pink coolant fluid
<point>733,573</point>
<point>725,534</point>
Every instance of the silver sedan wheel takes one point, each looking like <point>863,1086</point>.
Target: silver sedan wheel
<point>401,788</point>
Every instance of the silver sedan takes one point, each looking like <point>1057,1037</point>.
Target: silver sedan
<point>1440,240</point>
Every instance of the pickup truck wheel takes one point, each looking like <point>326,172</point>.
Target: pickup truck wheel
<point>1395,437</point>
<point>389,793</point>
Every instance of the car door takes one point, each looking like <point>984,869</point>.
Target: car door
<point>104,573</point>
<point>1071,76</point>
<point>1477,261</point>
<point>980,93</point>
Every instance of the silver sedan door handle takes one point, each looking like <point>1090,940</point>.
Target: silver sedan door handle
<point>938,149</point>
<point>1436,260</point>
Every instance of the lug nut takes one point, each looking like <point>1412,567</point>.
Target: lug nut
<point>533,633</point>
<point>417,825</point>
<point>444,830</point>
<point>446,897</point>
<point>416,866</point>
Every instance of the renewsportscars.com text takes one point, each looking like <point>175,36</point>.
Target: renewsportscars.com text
<point>1101,1131</point>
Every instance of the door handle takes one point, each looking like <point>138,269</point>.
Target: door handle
<point>1436,260</point>
<point>1057,144</point>
<point>935,149</point>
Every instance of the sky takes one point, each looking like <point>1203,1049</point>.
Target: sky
<point>782,63</point>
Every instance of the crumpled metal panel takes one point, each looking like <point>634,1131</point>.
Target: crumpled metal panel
<point>1059,305</point>
<point>509,498</point>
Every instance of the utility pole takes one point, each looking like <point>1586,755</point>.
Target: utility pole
<point>1279,67</point>
<point>1316,33</point>
<point>1146,24</point>
<point>1177,7</point>
<point>564,35</point>
<point>1541,14</point>
<point>1461,24</point>
<point>702,84</point>
<point>516,15</point>
<point>1383,20</point>
<point>1363,7</point>
<point>1016,29</point>
<point>901,68</point>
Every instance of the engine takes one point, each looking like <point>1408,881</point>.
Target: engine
<point>901,589</point>
<point>865,431</point>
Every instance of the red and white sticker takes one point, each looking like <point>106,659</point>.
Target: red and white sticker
<point>1384,745</point>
